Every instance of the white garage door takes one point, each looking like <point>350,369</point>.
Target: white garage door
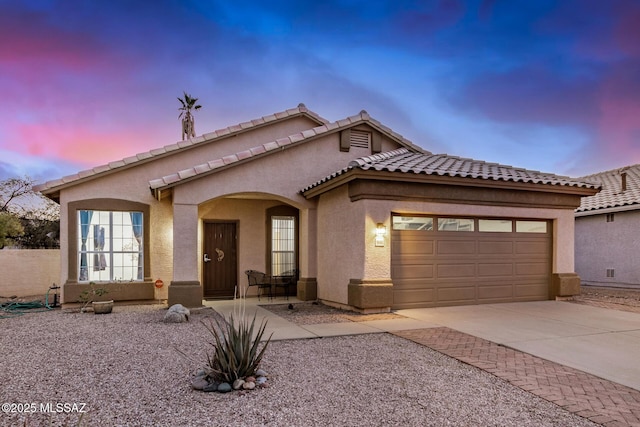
<point>443,261</point>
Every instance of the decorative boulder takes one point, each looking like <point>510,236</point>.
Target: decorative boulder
<point>177,313</point>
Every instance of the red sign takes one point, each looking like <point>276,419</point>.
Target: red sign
<point>159,283</point>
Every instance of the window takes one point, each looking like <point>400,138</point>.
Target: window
<point>611,272</point>
<point>412,223</point>
<point>610,217</point>
<point>455,224</point>
<point>495,225</point>
<point>531,226</point>
<point>283,244</point>
<point>110,246</point>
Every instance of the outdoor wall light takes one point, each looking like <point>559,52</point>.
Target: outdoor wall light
<point>381,231</point>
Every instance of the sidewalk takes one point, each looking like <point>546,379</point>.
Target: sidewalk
<point>282,329</point>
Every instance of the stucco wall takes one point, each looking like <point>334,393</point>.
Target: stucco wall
<point>341,241</point>
<point>28,272</point>
<point>602,245</point>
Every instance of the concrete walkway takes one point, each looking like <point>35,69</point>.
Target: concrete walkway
<point>580,357</point>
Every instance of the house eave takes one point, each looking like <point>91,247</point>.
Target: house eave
<point>603,211</point>
<point>444,180</point>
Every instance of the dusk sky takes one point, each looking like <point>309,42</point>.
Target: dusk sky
<point>540,84</point>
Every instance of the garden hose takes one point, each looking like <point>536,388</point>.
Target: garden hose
<point>11,309</point>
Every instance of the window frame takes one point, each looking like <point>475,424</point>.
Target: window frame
<point>281,211</point>
<point>114,205</point>
<point>107,228</point>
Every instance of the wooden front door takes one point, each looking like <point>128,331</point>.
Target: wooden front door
<point>220,261</point>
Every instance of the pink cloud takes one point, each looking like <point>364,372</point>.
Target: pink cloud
<point>85,146</point>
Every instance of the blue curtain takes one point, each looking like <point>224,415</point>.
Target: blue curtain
<point>136,224</point>
<point>85,222</point>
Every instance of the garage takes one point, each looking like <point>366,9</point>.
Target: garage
<point>443,261</point>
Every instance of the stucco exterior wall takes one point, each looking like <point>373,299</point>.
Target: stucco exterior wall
<point>28,273</point>
<point>602,245</point>
<point>341,244</point>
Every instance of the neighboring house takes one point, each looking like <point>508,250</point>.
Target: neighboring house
<point>607,226</point>
<point>370,220</point>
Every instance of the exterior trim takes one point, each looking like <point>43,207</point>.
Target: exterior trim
<point>377,178</point>
<point>104,205</point>
<point>454,191</point>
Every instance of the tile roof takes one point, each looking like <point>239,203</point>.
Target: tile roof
<point>612,196</point>
<point>301,109</point>
<point>301,137</point>
<point>406,161</point>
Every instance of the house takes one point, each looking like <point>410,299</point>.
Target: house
<point>606,229</point>
<point>370,220</point>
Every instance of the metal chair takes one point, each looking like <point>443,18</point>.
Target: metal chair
<point>259,279</point>
<point>285,280</point>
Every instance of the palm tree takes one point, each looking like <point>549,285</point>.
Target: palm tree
<point>188,123</point>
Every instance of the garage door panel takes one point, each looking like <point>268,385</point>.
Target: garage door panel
<point>539,289</point>
<point>414,260</point>
<point>415,297</point>
<point>455,270</point>
<point>532,247</point>
<point>495,270</point>
<point>413,271</point>
<point>414,284</point>
<point>532,269</point>
<point>495,248</point>
<point>493,292</point>
<point>412,247</point>
<point>463,247</point>
<point>458,293</point>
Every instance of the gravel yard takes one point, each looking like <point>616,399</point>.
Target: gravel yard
<point>126,370</point>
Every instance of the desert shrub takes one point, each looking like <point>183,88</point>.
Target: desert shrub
<point>236,354</point>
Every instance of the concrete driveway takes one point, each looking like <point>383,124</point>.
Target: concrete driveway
<point>600,341</point>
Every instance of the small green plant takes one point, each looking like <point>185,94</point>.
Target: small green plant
<point>89,295</point>
<point>235,352</point>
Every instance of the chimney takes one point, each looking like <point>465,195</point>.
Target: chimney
<point>623,180</point>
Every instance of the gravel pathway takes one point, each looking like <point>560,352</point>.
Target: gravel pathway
<point>126,370</point>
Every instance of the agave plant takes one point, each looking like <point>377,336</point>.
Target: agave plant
<point>235,354</point>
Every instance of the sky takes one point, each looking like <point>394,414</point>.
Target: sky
<point>540,84</point>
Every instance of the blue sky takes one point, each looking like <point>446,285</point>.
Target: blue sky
<point>541,84</point>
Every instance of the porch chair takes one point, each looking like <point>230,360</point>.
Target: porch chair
<point>259,279</point>
<point>285,280</point>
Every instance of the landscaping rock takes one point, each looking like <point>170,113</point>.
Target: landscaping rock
<point>261,373</point>
<point>224,387</point>
<point>199,383</point>
<point>261,380</point>
<point>177,313</point>
<point>237,384</point>
<point>249,385</point>
<point>211,387</point>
